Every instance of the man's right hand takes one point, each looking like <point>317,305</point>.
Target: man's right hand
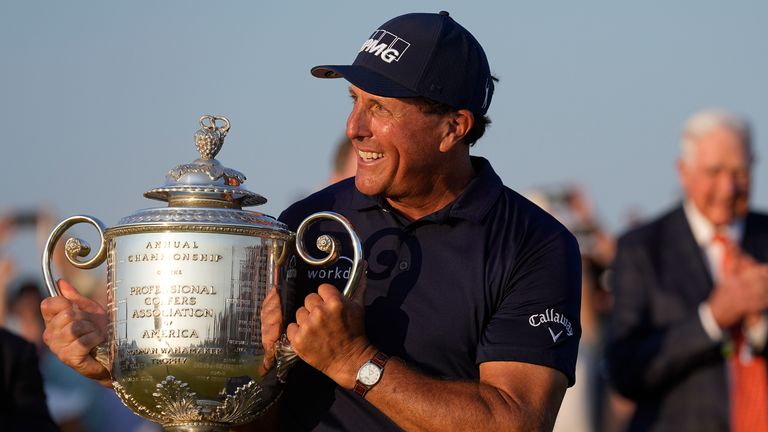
<point>74,325</point>
<point>271,327</point>
<point>742,292</point>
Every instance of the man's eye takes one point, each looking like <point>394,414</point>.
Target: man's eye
<point>713,171</point>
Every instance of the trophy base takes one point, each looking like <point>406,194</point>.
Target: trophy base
<point>178,409</point>
<point>196,427</point>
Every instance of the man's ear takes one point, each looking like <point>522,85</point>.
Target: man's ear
<point>459,124</point>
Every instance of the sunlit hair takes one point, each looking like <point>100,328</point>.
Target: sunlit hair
<point>704,122</point>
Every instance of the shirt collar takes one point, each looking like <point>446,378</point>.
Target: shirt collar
<point>704,231</point>
<point>480,195</point>
<point>472,204</point>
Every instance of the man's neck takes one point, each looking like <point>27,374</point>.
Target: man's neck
<point>442,191</point>
<point>703,229</point>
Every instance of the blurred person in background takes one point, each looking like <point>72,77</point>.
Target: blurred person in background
<point>75,404</point>
<point>691,290</point>
<point>22,398</point>
<point>589,406</point>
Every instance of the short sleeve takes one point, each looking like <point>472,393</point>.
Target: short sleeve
<point>537,319</point>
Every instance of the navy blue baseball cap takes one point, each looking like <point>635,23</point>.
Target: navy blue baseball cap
<point>421,54</point>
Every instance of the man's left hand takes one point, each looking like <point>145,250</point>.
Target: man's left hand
<point>329,334</point>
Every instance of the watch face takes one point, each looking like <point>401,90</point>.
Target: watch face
<point>369,374</point>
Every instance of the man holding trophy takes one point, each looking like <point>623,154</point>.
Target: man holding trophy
<point>469,318</point>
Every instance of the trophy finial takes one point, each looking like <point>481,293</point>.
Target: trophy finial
<point>210,137</point>
<point>205,182</point>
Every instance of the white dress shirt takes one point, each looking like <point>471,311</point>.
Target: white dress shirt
<point>704,233</point>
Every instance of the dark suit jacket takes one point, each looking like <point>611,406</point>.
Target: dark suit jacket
<point>22,400</point>
<point>659,354</point>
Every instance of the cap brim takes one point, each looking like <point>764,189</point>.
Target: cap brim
<point>365,79</point>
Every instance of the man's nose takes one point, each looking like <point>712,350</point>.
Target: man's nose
<point>357,124</point>
<point>729,183</point>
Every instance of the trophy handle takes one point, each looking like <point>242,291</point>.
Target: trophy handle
<point>330,246</point>
<point>285,355</point>
<point>74,249</point>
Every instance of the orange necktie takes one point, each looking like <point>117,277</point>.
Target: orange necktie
<point>749,376</point>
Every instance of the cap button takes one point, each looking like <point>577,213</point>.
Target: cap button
<point>444,13</point>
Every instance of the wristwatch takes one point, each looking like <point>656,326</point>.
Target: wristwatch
<point>370,373</point>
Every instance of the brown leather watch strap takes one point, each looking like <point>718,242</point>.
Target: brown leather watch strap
<point>379,359</point>
<point>360,388</point>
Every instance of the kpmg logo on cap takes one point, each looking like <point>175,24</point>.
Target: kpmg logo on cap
<point>385,45</point>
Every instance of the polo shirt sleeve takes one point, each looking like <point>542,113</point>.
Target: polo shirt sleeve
<point>536,317</point>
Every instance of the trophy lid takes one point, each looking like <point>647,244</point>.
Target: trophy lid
<point>205,182</point>
<point>204,192</point>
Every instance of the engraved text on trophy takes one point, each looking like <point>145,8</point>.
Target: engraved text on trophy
<point>184,298</point>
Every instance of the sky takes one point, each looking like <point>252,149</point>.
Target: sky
<point>98,100</point>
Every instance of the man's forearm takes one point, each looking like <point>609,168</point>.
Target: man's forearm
<point>418,402</point>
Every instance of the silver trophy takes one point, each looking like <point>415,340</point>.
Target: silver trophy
<point>186,284</point>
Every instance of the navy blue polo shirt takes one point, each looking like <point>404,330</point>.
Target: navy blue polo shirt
<point>490,277</point>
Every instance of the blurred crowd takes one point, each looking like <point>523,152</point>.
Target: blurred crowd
<point>74,403</point>
<point>593,404</point>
